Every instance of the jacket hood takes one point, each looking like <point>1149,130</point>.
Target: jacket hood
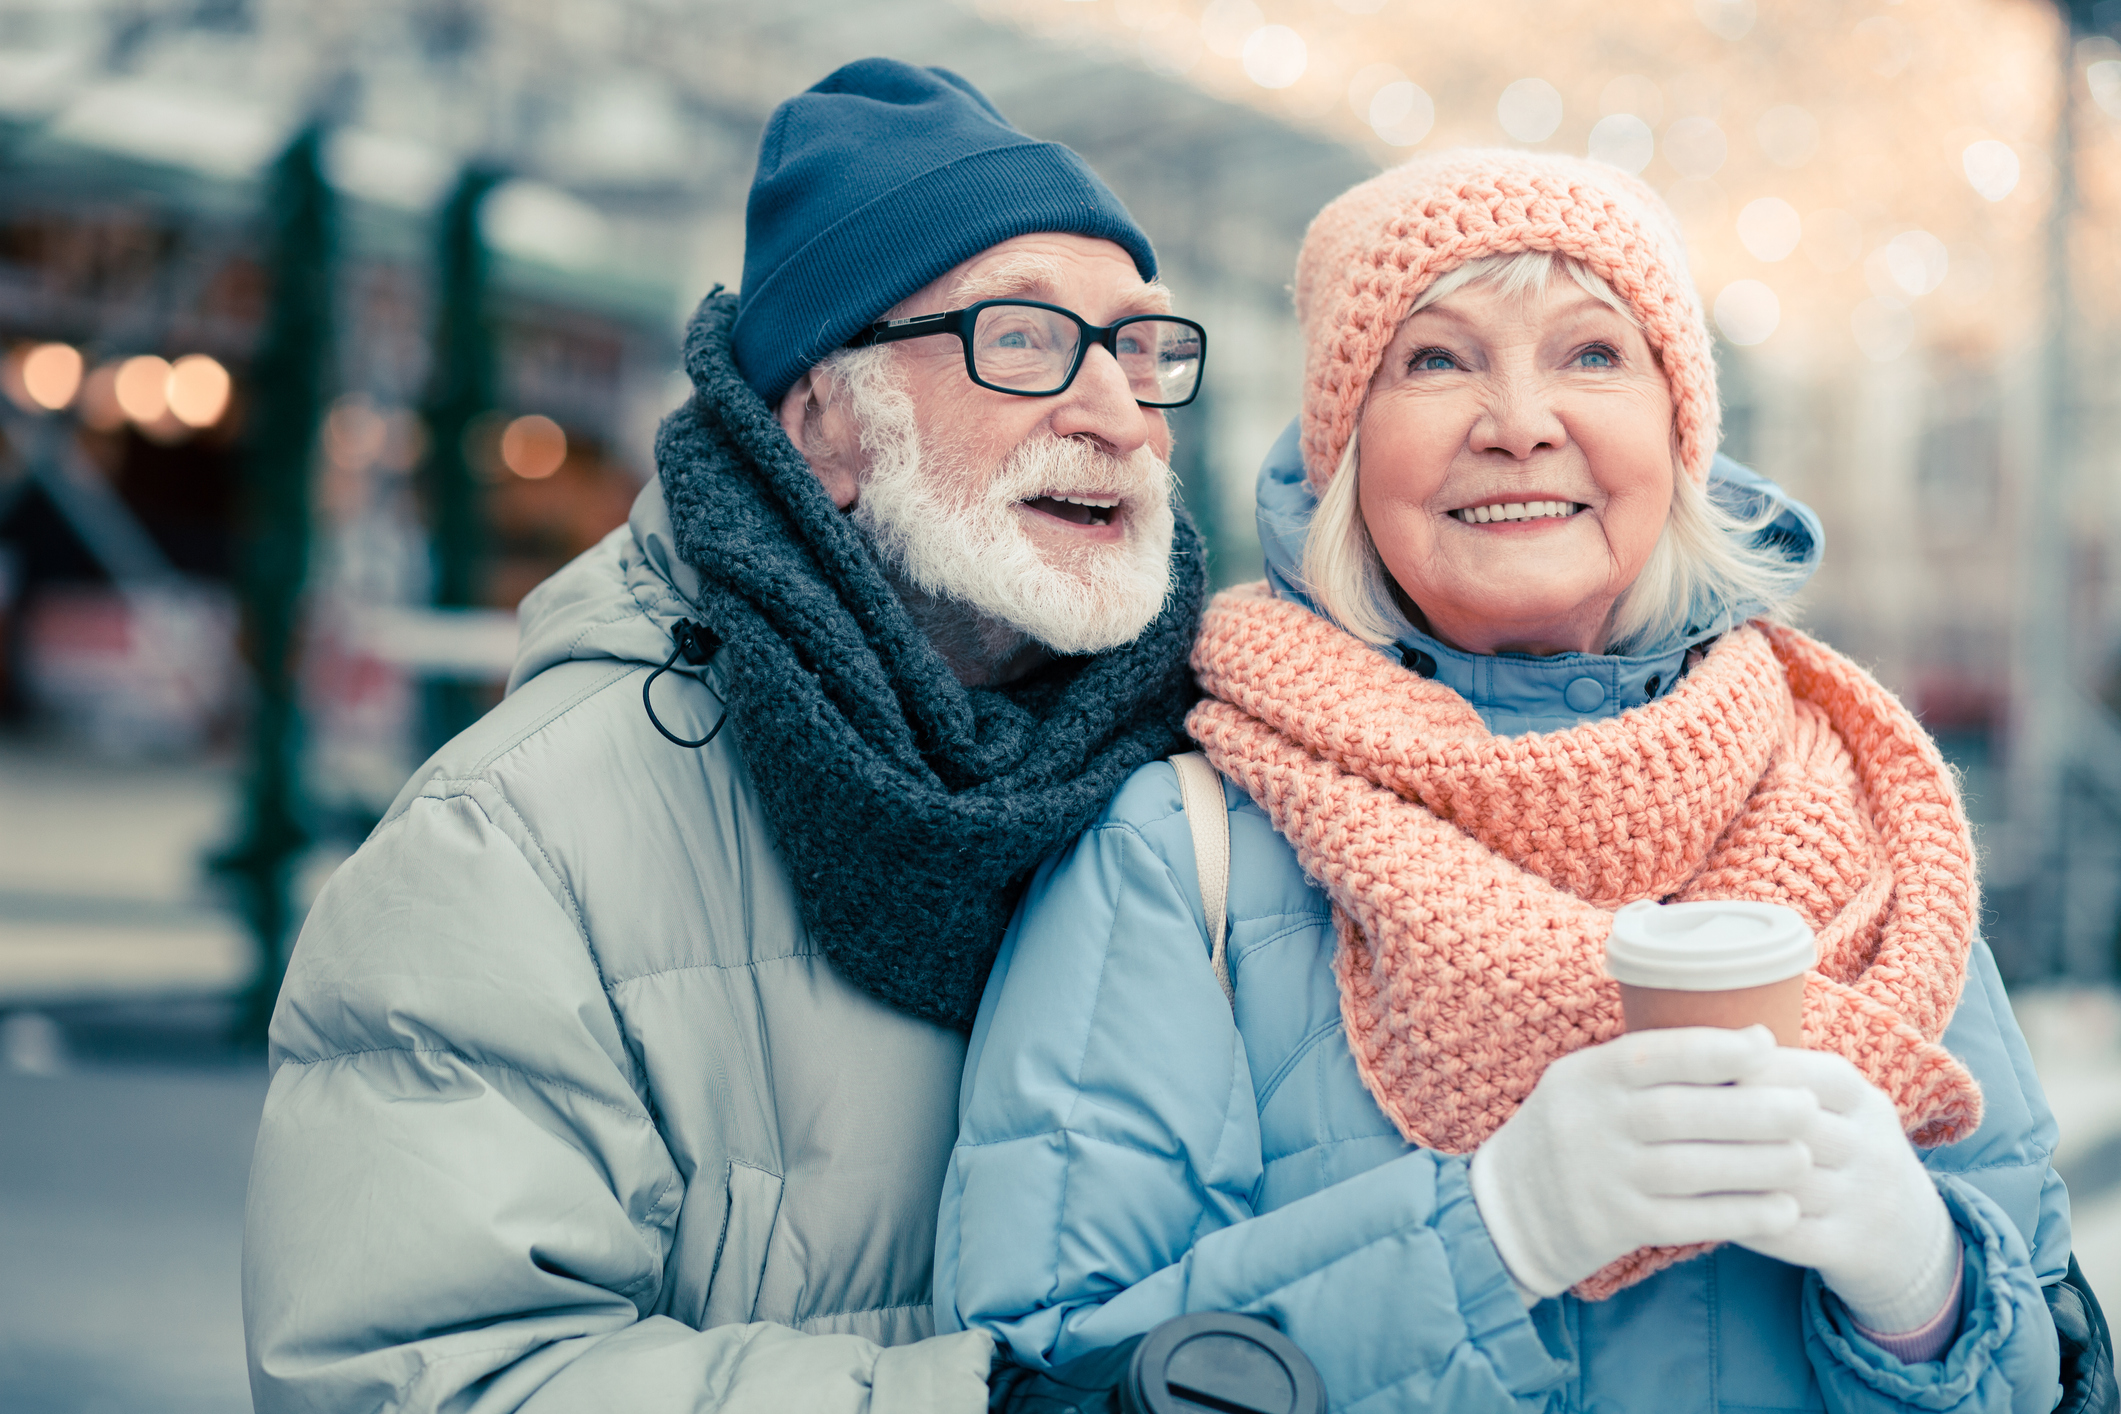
<point>1513,692</point>
<point>618,601</point>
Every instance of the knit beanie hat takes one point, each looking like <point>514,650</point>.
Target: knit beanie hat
<point>1376,247</point>
<point>875,182</point>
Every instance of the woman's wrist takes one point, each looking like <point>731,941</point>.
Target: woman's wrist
<point>1926,1342</point>
<point>1919,1298</point>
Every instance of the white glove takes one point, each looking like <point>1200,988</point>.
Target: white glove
<point>1874,1226</point>
<point>1642,1142</point>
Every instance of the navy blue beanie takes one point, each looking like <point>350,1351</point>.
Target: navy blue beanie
<point>875,182</point>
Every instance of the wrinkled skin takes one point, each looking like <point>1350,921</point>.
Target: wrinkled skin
<point>1486,399</point>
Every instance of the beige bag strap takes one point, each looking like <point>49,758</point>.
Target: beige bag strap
<point>1200,791</point>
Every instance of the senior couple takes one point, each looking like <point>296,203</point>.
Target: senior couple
<point>626,1066</point>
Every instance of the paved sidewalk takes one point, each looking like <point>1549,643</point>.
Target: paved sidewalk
<point>121,1225</point>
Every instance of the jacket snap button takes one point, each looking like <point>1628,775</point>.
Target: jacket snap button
<point>1584,695</point>
<point>1418,661</point>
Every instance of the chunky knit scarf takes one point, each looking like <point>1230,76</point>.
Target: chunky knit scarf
<point>908,809</point>
<point>1474,877</point>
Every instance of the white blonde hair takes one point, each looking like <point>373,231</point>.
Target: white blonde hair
<point>1705,558</point>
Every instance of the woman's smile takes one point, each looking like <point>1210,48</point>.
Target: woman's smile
<point>1538,513</point>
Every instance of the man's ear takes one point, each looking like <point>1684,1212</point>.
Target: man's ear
<point>825,435</point>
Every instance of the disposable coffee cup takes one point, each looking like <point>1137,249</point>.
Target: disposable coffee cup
<point>1714,963</point>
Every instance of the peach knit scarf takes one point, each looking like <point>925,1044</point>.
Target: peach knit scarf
<point>1474,877</point>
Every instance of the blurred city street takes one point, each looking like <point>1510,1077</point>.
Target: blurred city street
<point>327,333</point>
<point>126,1119</point>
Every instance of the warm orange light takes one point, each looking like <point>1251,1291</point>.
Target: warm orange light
<point>354,432</point>
<point>99,408</point>
<point>51,375</point>
<point>533,447</point>
<point>197,390</point>
<point>143,388</point>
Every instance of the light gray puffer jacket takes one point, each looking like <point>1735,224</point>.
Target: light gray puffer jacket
<point>567,1110</point>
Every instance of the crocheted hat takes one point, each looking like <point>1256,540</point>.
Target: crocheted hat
<point>1377,246</point>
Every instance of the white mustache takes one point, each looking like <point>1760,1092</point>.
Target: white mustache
<point>1072,465</point>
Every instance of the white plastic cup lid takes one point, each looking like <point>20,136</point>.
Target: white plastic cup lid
<point>1712,946</point>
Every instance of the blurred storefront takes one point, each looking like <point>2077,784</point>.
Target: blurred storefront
<point>1884,204</point>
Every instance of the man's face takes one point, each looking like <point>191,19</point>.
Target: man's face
<point>1049,514</point>
<point>1097,280</point>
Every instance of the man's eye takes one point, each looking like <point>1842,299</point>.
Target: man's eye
<point>1015,340</point>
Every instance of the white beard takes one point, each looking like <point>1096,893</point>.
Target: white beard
<point>953,533</point>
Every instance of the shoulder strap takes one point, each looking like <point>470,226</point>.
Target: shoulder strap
<point>1200,791</point>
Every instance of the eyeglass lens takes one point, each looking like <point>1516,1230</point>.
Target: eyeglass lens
<point>1029,350</point>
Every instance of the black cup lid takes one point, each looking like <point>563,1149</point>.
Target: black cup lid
<point>1213,1362</point>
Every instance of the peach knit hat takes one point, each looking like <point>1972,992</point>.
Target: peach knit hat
<point>1377,246</point>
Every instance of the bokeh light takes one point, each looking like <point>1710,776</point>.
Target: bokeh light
<point>1274,56</point>
<point>197,390</point>
<point>354,432</point>
<point>1624,140</point>
<point>142,388</point>
<point>533,447</point>
<point>2104,79</point>
<point>1726,19</point>
<point>1747,311</point>
<point>1530,110</point>
<point>1992,168</point>
<point>51,375</point>
<point>1401,113</point>
<point>1226,24</point>
<point>1696,148</point>
<point>1770,228</point>
<point>1788,135</point>
<point>98,404</point>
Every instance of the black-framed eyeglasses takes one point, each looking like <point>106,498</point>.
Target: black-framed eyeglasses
<point>1034,350</point>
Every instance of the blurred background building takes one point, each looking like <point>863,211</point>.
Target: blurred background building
<point>327,331</point>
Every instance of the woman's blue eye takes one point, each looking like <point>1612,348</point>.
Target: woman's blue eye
<point>1431,361</point>
<point>1598,358</point>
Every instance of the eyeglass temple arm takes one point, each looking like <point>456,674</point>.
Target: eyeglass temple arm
<point>890,331</point>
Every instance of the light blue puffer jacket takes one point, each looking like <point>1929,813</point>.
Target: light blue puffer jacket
<point>1131,1150</point>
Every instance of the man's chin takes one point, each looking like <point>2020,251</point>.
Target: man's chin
<point>1073,613</point>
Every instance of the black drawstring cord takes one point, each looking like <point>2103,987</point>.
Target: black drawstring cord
<point>698,644</point>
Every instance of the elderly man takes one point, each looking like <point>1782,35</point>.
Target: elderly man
<point>619,1069</point>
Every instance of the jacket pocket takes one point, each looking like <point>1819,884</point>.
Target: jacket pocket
<point>740,1259</point>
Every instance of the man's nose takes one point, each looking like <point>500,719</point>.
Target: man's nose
<point>1518,417</point>
<point>1100,405</point>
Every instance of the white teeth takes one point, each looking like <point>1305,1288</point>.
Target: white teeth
<point>1515,510</point>
<point>1104,503</point>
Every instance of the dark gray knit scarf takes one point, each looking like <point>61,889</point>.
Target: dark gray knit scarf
<point>909,809</point>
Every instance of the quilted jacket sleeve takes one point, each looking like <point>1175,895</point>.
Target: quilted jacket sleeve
<point>460,1199</point>
<point>1109,1152</point>
<point>2012,1213</point>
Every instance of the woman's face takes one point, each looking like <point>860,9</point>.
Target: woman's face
<point>1516,461</point>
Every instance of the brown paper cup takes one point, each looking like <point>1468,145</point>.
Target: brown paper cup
<point>1779,1006</point>
<point>1731,963</point>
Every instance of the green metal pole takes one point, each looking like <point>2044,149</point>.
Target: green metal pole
<point>460,392</point>
<point>289,377</point>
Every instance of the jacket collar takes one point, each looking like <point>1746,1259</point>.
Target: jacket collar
<point>1514,693</point>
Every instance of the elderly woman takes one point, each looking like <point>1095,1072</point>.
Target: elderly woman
<point>1516,665</point>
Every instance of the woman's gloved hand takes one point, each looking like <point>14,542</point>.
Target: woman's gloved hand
<point>1873,1224</point>
<point>1643,1142</point>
